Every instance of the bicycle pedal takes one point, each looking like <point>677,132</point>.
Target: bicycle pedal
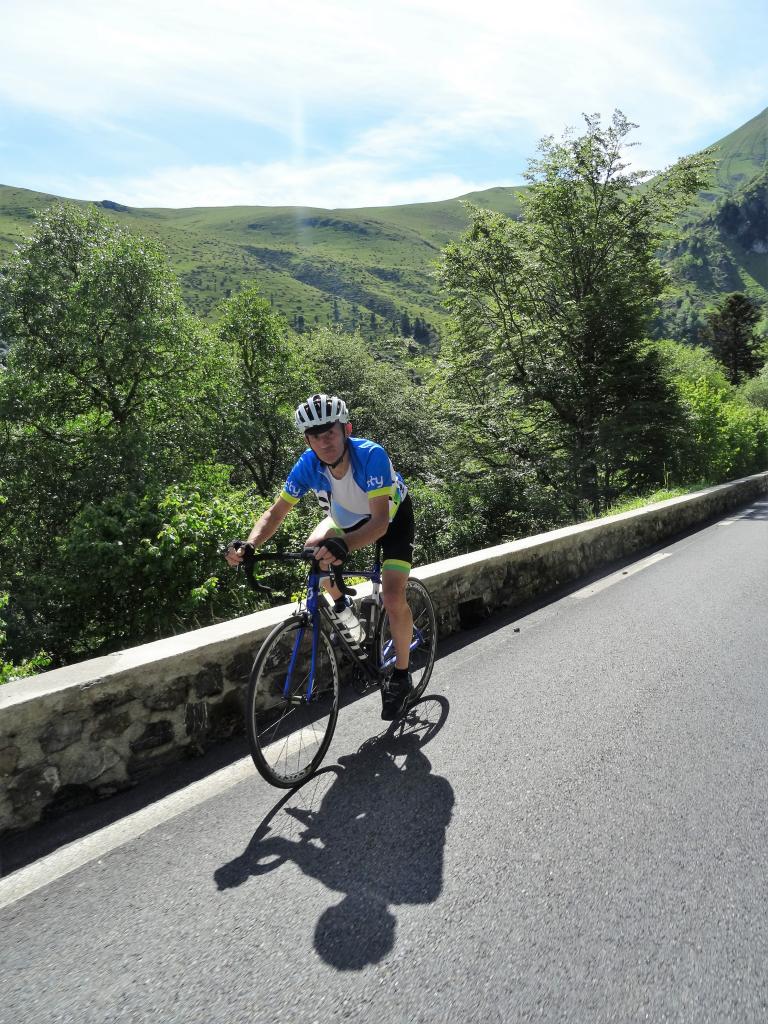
<point>360,683</point>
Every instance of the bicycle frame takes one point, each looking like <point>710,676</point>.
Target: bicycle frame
<point>316,607</point>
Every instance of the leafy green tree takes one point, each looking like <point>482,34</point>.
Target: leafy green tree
<point>421,331</point>
<point>550,314</point>
<point>692,363</point>
<point>96,400</point>
<point>385,403</point>
<point>29,666</point>
<point>724,438</point>
<point>103,352</point>
<point>755,390</point>
<point>731,334</point>
<point>259,383</point>
<point>155,564</point>
<point>724,435</point>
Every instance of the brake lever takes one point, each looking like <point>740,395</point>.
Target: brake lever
<point>247,564</point>
<point>338,581</point>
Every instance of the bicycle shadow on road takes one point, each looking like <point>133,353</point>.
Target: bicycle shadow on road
<point>372,827</point>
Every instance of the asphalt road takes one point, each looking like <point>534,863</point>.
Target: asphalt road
<point>570,827</point>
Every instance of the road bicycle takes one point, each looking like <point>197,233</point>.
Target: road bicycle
<point>293,691</point>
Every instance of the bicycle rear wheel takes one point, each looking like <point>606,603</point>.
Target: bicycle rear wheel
<point>289,733</point>
<point>423,642</point>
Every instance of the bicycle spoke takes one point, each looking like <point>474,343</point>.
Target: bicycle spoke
<point>290,733</point>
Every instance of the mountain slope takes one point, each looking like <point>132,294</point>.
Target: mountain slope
<point>364,268</point>
<point>741,156</point>
<point>725,251</point>
<point>360,267</point>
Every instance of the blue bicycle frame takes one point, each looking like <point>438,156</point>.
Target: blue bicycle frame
<point>313,613</point>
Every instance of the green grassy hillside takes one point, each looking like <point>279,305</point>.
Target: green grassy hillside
<point>364,268</point>
<point>741,156</point>
<point>725,251</point>
<point>724,244</point>
<point>360,267</point>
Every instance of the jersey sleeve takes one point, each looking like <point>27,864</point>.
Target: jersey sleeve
<point>298,482</point>
<point>379,475</point>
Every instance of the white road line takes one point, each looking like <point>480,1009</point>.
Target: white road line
<point>744,514</point>
<point>73,856</point>
<point>617,577</point>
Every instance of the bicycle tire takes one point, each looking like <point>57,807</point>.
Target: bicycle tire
<point>422,658</point>
<point>288,734</point>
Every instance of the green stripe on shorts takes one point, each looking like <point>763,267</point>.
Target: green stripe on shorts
<point>396,564</point>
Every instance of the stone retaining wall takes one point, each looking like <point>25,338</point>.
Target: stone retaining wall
<point>83,732</point>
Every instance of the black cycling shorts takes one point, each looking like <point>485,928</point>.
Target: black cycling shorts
<point>397,542</point>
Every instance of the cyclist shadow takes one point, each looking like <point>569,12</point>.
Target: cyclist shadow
<point>372,827</point>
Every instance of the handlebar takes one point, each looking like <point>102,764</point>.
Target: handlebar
<point>250,557</point>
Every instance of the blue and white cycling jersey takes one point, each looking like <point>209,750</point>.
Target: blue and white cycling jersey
<point>370,475</point>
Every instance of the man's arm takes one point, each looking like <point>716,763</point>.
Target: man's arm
<point>267,525</point>
<point>376,526</point>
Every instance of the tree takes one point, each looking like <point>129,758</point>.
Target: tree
<point>29,666</point>
<point>755,390</point>
<point>259,384</point>
<point>102,351</point>
<point>384,402</point>
<point>95,401</point>
<point>550,314</point>
<point>405,325</point>
<point>692,363</point>
<point>730,332</point>
<point>155,564</point>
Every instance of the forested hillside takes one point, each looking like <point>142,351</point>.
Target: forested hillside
<point>373,270</point>
<point>726,250</point>
<point>361,269</point>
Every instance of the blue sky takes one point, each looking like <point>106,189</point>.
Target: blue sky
<point>336,103</point>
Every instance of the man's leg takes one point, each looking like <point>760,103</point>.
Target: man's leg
<point>397,551</point>
<point>394,582</point>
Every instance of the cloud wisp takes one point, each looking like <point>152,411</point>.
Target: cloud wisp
<point>373,103</point>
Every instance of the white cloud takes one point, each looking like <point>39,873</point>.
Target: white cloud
<point>345,182</point>
<point>424,76</point>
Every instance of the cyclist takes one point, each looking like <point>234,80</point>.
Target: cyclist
<point>365,500</point>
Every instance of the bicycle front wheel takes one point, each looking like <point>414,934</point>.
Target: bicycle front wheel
<point>290,726</point>
<point>423,641</point>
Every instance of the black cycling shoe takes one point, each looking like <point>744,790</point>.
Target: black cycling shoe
<point>395,695</point>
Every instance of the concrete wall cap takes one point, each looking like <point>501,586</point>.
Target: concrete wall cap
<point>200,643</point>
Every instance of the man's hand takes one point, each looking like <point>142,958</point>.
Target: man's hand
<point>332,551</point>
<point>235,552</point>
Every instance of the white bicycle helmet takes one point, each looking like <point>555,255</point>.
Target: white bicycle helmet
<point>319,410</point>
